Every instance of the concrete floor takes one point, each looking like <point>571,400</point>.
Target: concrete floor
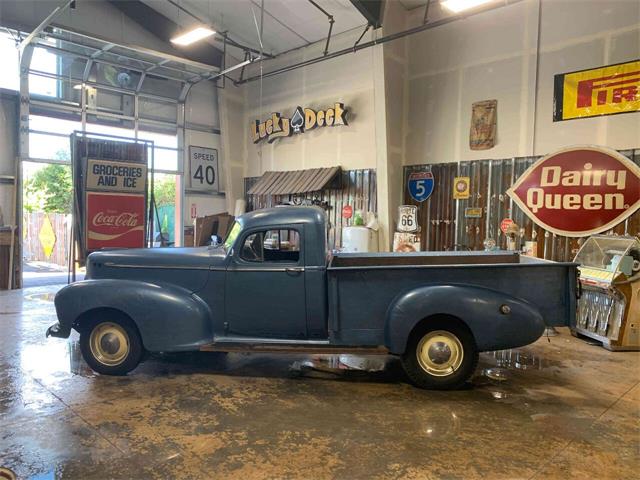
<point>558,409</point>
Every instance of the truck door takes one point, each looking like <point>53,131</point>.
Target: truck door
<point>265,287</point>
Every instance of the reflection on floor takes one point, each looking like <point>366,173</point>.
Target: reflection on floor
<point>561,408</point>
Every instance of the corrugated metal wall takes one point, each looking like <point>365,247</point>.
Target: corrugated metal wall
<point>358,189</point>
<point>444,225</point>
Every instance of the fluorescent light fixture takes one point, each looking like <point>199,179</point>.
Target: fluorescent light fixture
<point>78,86</point>
<point>457,6</point>
<point>193,36</point>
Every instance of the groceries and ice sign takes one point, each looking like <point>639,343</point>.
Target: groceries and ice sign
<point>579,191</point>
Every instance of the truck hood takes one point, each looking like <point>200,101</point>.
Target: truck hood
<point>197,258</point>
<point>187,267</point>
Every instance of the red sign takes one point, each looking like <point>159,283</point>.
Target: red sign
<point>505,224</point>
<point>579,191</point>
<point>347,211</point>
<point>114,220</point>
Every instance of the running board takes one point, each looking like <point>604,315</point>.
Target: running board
<point>270,347</point>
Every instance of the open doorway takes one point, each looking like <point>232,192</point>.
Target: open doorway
<point>47,194</point>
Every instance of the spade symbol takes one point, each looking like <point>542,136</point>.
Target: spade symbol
<point>297,121</point>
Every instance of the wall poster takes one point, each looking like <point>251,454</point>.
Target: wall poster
<point>484,118</point>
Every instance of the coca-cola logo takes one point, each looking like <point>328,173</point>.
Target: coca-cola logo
<point>579,191</point>
<point>124,219</point>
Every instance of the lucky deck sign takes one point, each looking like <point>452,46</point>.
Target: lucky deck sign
<point>420,185</point>
<point>300,121</point>
<point>579,191</point>
<point>114,220</point>
<point>599,91</point>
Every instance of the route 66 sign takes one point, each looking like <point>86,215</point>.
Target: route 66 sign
<point>407,218</point>
<point>420,185</point>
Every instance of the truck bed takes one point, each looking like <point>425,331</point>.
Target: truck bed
<point>363,286</point>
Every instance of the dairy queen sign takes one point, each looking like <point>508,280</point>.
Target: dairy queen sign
<point>579,191</point>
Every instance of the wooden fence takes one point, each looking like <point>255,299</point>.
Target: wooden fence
<point>443,222</point>
<point>33,249</point>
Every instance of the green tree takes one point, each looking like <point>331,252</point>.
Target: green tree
<point>164,190</point>
<point>50,190</point>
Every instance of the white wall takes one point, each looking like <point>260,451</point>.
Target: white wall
<point>493,56</point>
<point>201,111</point>
<point>348,79</point>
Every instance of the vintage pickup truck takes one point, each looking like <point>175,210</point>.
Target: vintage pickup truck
<point>273,286</point>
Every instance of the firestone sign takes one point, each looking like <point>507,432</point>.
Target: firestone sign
<point>301,120</point>
<point>579,191</point>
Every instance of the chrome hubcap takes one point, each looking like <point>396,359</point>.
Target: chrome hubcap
<point>109,344</point>
<point>440,353</point>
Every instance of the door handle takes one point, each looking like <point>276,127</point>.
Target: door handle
<point>294,270</point>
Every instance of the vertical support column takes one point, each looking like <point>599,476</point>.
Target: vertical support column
<point>180,183</point>
<point>382,165</point>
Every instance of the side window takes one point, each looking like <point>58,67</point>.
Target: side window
<point>272,246</point>
<point>252,250</point>
<point>282,246</point>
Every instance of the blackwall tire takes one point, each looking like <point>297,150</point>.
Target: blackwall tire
<point>440,355</point>
<point>111,345</point>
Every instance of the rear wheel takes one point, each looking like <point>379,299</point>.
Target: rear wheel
<point>111,345</point>
<point>440,355</point>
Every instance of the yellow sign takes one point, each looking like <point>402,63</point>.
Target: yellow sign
<point>461,188</point>
<point>599,91</point>
<point>47,236</point>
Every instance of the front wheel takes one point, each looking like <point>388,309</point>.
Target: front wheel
<point>111,346</point>
<point>440,356</point>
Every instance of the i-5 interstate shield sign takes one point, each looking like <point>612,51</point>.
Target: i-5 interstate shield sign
<point>420,185</point>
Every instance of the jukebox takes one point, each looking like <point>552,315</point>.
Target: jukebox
<point>609,307</point>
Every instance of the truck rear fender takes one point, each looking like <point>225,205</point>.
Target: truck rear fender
<point>169,318</point>
<point>496,320</point>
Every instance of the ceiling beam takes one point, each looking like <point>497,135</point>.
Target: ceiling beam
<point>371,10</point>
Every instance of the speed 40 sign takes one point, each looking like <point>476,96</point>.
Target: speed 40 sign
<point>203,169</point>
<point>420,185</point>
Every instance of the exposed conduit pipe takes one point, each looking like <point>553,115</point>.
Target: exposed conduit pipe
<point>331,22</point>
<point>388,38</point>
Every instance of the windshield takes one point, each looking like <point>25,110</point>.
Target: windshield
<point>233,234</point>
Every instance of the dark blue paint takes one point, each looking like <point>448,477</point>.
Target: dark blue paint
<point>182,299</point>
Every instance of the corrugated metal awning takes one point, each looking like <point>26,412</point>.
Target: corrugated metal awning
<point>295,181</point>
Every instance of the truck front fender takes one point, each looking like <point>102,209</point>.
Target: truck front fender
<point>169,318</point>
<point>496,320</point>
